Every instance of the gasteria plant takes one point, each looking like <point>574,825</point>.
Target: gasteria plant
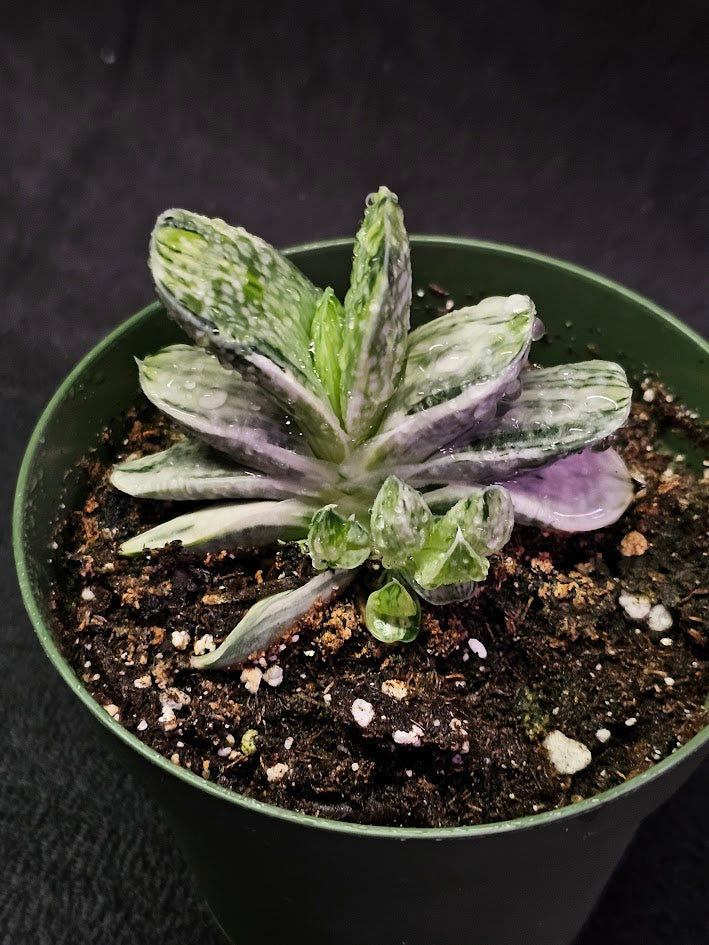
<point>334,425</point>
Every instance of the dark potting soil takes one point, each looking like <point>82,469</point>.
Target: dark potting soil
<point>449,729</point>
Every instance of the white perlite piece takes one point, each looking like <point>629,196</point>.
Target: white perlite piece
<point>362,712</point>
<point>413,737</point>
<point>143,682</point>
<point>603,735</point>
<point>478,648</point>
<point>251,678</point>
<point>660,619</point>
<point>288,743</point>
<point>88,594</point>
<point>180,639</point>
<point>142,725</point>
<point>277,772</point>
<point>635,606</point>
<point>205,644</point>
<point>566,754</point>
<point>273,675</point>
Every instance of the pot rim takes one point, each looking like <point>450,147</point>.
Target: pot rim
<point>585,807</point>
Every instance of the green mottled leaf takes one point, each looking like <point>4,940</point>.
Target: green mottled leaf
<point>377,308</point>
<point>326,333</point>
<point>237,295</point>
<point>191,386</point>
<point>446,560</point>
<point>218,527</point>
<point>399,523</point>
<point>192,470</point>
<point>560,411</point>
<point>269,619</point>
<point>392,615</point>
<point>337,542</point>
<point>457,369</point>
<point>484,516</point>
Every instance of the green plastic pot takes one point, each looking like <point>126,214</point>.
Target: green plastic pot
<point>531,880</point>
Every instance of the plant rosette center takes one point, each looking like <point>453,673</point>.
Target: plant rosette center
<point>332,424</point>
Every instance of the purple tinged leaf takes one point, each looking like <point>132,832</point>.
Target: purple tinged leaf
<point>192,470</point>
<point>457,369</point>
<point>231,414</point>
<point>560,411</point>
<point>579,493</point>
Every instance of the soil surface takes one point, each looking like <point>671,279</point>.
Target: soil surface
<point>457,720</point>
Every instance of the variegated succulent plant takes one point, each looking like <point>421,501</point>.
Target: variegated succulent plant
<point>332,424</point>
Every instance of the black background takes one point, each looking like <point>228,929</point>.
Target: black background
<point>578,130</point>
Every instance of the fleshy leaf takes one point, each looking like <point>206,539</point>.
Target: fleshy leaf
<point>237,295</point>
<point>223,526</point>
<point>192,470</point>
<point>231,414</point>
<point>399,523</point>
<point>457,369</point>
<point>392,615</point>
<point>484,516</point>
<point>377,308</point>
<point>579,493</point>
<point>337,542</point>
<point>560,410</point>
<point>446,593</point>
<point>269,619</point>
<point>446,560</point>
<point>326,341</point>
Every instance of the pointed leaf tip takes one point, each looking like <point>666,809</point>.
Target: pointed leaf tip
<point>270,618</point>
<point>376,310</point>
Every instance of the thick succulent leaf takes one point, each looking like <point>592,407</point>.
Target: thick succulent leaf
<point>231,414</point>
<point>399,522</point>
<point>224,526</point>
<point>392,614</point>
<point>192,470</point>
<point>326,341</point>
<point>560,410</point>
<point>237,295</point>
<point>377,308</point>
<point>337,542</point>
<point>485,517</point>
<point>446,593</point>
<point>579,493</point>
<point>448,560</point>
<point>457,369</point>
<point>269,620</point>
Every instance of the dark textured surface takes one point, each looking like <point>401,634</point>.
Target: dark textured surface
<point>579,134</point>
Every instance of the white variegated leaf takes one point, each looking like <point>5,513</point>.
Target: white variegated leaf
<point>219,527</point>
<point>237,295</point>
<point>270,619</point>
<point>232,415</point>
<point>192,470</point>
<point>560,410</point>
<point>377,309</point>
<point>457,369</point>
